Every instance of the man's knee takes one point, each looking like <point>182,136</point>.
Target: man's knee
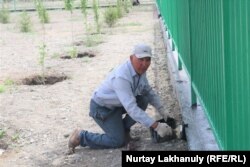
<point>118,142</point>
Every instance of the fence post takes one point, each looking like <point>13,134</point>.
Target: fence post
<point>193,97</point>
<point>179,63</point>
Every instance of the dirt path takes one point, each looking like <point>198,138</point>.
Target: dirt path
<point>38,119</point>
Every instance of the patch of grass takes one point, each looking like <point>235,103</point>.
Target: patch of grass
<point>93,40</point>
<point>96,15</point>
<point>2,133</point>
<point>68,4</point>
<point>55,55</point>
<point>9,82</point>
<point>15,137</point>
<point>4,15</point>
<point>6,84</point>
<point>110,16</point>
<point>2,88</point>
<point>25,22</point>
<point>86,59</point>
<point>131,24</point>
<point>73,52</point>
<point>126,5</point>
<point>42,12</point>
<point>42,55</point>
<point>119,8</point>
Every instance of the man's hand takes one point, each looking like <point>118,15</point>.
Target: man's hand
<point>163,129</point>
<point>157,116</point>
<point>164,112</point>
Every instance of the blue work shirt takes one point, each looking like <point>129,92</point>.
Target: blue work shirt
<point>120,89</point>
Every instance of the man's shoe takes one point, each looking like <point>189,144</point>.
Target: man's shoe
<point>74,140</point>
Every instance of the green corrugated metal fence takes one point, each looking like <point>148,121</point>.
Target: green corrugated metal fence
<point>212,38</point>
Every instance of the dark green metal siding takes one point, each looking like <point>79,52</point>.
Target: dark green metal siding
<point>212,38</point>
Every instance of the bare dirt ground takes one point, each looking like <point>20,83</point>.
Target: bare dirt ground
<point>38,119</point>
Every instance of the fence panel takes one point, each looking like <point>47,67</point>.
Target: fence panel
<point>212,37</point>
<point>237,60</point>
<point>208,60</point>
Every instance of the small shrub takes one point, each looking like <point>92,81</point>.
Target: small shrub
<point>110,16</point>
<point>15,137</point>
<point>25,22</point>
<point>42,55</point>
<point>93,40</point>
<point>84,12</point>
<point>8,83</point>
<point>119,8</point>
<point>2,133</point>
<point>2,88</point>
<point>96,13</point>
<point>73,52</point>
<point>42,12</point>
<point>126,5</point>
<point>44,16</point>
<point>84,7</point>
<point>4,15</point>
<point>55,55</point>
<point>68,4</point>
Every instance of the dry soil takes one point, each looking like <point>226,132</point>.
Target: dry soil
<point>37,119</point>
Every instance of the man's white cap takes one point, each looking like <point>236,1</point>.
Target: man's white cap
<point>142,50</point>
